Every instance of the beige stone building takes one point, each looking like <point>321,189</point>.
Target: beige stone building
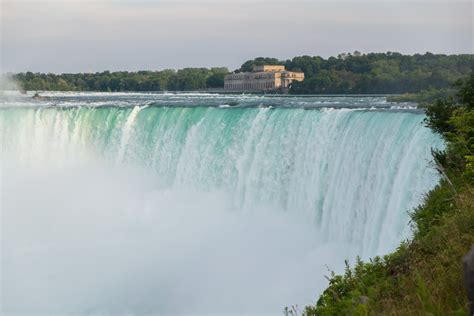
<point>262,78</point>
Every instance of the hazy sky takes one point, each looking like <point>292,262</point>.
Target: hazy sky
<point>77,36</point>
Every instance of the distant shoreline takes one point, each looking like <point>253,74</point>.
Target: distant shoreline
<point>216,92</point>
<point>370,74</point>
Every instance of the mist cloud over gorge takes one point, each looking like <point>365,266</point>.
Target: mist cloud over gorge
<point>108,242</point>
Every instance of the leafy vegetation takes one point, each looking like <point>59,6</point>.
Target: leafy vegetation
<point>374,73</point>
<point>390,73</point>
<point>356,73</point>
<point>186,79</point>
<point>424,97</point>
<point>423,276</point>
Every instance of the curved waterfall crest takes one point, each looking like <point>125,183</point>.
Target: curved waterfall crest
<point>157,206</point>
<point>353,173</point>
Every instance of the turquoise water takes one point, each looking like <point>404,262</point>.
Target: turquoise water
<point>265,188</point>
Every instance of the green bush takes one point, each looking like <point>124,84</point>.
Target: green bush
<point>423,276</point>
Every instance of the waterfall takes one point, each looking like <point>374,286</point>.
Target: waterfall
<point>213,196</point>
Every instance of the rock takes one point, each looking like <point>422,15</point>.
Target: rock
<point>37,96</point>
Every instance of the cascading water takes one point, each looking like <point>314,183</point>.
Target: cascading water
<point>176,209</point>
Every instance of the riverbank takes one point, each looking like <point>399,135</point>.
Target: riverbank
<point>423,97</point>
<point>424,275</point>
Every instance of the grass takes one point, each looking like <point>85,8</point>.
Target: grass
<point>422,277</point>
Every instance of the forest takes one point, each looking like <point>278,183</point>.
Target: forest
<point>348,73</point>
<point>187,79</point>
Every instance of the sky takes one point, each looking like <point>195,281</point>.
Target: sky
<point>61,36</point>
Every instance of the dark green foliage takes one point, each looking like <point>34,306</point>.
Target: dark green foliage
<point>376,73</point>
<point>183,80</point>
<point>188,79</point>
<point>454,120</point>
<point>423,276</point>
<point>259,61</point>
<point>438,115</point>
<point>435,207</point>
<point>466,92</point>
<point>216,78</point>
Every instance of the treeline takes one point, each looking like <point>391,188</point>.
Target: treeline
<point>186,79</point>
<point>374,73</point>
<point>356,73</point>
